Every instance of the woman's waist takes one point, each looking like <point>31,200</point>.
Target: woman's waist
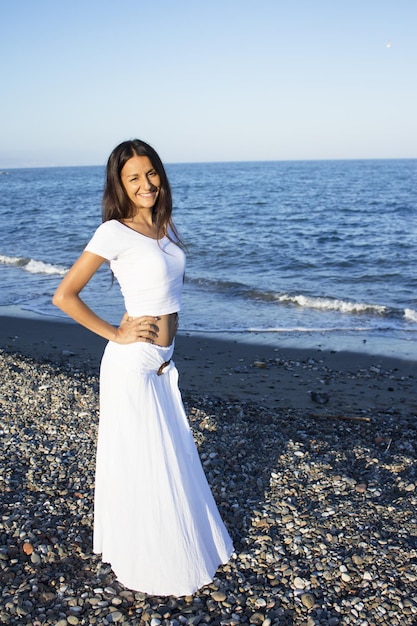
<point>167,328</point>
<point>135,315</point>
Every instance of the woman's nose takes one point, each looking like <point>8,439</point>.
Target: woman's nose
<point>146,184</point>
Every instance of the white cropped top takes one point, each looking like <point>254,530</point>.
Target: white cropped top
<point>150,272</point>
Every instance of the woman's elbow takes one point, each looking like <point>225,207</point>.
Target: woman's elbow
<point>58,299</point>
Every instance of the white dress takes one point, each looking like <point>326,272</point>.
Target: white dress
<point>155,519</point>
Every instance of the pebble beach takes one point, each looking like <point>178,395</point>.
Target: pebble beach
<point>311,456</point>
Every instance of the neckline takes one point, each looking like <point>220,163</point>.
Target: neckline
<point>133,230</point>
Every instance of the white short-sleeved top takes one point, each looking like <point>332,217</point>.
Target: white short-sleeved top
<point>150,272</point>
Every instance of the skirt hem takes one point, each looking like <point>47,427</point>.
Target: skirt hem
<point>189,592</point>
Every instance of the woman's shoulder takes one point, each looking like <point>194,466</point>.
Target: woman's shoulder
<point>109,225</point>
<point>112,228</point>
<point>106,240</point>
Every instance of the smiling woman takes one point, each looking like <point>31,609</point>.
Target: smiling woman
<point>155,519</point>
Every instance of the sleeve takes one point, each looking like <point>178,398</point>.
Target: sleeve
<point>104,242</point>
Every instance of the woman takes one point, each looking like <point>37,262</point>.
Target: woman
<point>155,519</point>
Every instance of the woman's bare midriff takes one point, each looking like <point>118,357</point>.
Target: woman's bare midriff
<point>168,326</point>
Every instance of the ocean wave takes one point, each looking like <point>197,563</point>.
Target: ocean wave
<point>318,303</point>
<point>331,304</point>
<point>33,266</point>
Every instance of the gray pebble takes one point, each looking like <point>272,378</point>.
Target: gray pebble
<point>308,600</point>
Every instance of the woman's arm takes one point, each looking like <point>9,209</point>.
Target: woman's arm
<point>67,299</point>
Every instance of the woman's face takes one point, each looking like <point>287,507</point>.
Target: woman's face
<point>141,182</point>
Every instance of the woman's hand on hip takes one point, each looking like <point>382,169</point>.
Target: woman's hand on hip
<point>135,329</point>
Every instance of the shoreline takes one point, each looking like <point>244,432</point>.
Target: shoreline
<point>263,373</point>
<point>400,346</point>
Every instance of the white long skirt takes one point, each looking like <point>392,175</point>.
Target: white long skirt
<point>155,519</point>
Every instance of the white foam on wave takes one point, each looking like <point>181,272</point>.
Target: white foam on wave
<point>9,260</point>
<point>33,266</point>
<point>290,329</point>
<point>39,267</point>
<point>330,304</point>
<point>410,314</point>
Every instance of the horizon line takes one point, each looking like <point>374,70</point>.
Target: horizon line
<point>295,160</point>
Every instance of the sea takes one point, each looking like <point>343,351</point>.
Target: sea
<point>320,253</point>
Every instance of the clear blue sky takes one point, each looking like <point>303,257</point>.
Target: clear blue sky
<point>207,80</point>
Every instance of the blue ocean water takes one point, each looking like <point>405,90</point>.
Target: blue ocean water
<point>276,248</point>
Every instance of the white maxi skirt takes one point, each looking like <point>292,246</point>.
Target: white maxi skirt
<point>155,518</point>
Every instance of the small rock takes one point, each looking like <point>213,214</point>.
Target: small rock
<point>299,583</point>
<point>361,487</point>
<point>27,548</point>
<point>308,600</point>
<point>46,596</point>
<point>320,398</point>
<point>116,601</point>
<point>219,596</point>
